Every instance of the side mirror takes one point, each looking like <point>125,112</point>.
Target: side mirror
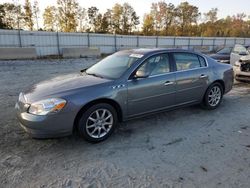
<point>141,74</point>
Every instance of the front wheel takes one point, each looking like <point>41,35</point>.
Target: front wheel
<point>97,123</point>
<point>213,96</point>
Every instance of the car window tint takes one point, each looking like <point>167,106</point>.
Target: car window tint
<point>202,61</point>
<point>156,65</point>
<point>185,61</point>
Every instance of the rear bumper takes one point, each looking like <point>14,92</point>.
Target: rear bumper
<point>50,126</point>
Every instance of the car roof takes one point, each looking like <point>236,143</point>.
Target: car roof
<point>149,51</point>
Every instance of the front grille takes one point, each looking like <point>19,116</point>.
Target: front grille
<point>245,67</point>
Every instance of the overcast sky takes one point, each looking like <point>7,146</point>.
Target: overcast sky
<point>226,7</point>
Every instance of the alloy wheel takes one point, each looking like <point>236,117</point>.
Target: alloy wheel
<point>99,123</point>
<point>214,96</point>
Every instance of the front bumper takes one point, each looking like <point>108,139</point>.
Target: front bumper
<point>241,75</point>
<point>48,126</point>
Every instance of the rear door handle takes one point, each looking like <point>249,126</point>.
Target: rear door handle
<point>167,83</point>
<point>203,76</point>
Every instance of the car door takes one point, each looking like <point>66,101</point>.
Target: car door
<point>192,75</point>
<point>154,92</point>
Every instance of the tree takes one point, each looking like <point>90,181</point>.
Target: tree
<point>36,12</point>
<point>148,25</point>
<point>2,15</point>
<point>169,14</point>
<point>94,19</point>
<point>238,25</point>
<point>67,15</point>
<point>187,15</point>
<point>11,15</point>
<point>116,18</point>
<point>124,19</point>
<point>82,17</point>
<point>210,28</point>
<point>50,18</point>
<point>129,19</point>
<point>211,16</point>
<point>28,15</point>
<point>163,15</point>
<point>107,22</point>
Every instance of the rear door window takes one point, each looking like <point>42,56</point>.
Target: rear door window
<point>202,61</point>
<point>187,61</point>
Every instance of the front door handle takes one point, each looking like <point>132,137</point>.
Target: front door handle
<point>167,83</point>
<point>203,76</point>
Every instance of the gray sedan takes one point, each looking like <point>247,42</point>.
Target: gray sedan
<point>120,87</point>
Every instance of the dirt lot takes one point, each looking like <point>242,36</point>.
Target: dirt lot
<point>189,147</point>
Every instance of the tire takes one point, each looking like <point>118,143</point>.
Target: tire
<point>96,128</point>
<point>210,101</point>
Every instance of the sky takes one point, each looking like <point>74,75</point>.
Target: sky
<point>226,7</point>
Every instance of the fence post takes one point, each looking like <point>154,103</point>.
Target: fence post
<point>188,43</point>
<point>225,42</point>
<point>174,41</point>
<point>156,44</point>
<point>213,44</point>
<point>245,41</point>
<point>137,41</point>
<point>19,38</point>
<point>202,42</point>
<point>58,44</point>
<point>88,40</point>
<point>115,42</point>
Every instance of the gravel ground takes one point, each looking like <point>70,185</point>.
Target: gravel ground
<point>186,148</point>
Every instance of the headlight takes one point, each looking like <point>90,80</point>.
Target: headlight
<point>46,106</point>
<point>237,64</point>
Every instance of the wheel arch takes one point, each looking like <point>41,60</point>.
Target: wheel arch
<point>111,102</point>
<point>221,82</point>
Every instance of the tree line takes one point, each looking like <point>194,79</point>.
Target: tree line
<point>164,19</point>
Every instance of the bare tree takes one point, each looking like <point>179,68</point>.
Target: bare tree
<point>82,19</point>
<point>36,12</point>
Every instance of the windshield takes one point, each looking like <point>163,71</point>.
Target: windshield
<point>240,49</point>
<point>225,50</point>
<point>113,66</point>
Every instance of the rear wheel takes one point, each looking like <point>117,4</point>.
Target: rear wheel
<point>213,96</point>
<point>98,122</point>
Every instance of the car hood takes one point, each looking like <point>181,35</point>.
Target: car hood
<point>220,56</point>
<point>64,83</point>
